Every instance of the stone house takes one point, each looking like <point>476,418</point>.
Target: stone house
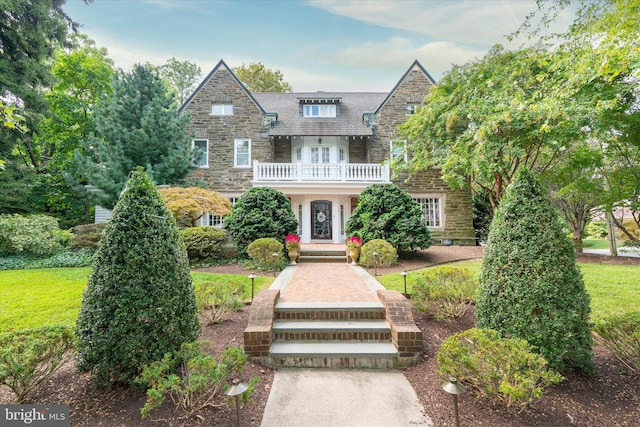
<point>321,149</point>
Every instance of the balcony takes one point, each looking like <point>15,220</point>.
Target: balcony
<point>362,173</point>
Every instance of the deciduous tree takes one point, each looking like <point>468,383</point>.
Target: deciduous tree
<point>192,203</point>
<point>259,78</point>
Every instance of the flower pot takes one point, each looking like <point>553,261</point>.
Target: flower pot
<point>354,254</point>
<point>293,255</point>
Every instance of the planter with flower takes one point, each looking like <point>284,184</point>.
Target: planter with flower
<point>353,245</point>
<point>292,242</point>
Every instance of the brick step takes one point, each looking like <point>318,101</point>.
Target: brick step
<point>374,355</point>
<point>329,311</point>
<point>322,258</point>
<point>332,330</point>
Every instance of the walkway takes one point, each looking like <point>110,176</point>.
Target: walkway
<point>349,398</point>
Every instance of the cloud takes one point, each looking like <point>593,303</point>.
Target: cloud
<point>166,4</point>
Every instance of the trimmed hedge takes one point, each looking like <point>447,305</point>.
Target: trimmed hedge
<point>387,254</point>
<point>261,253</point>
<point>204,243</point>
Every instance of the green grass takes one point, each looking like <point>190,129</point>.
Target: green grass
<point>596,244</point>
<point>33,298</point>
<point>614,289</point>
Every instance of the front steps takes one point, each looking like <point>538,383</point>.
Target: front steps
<point>322,255</point>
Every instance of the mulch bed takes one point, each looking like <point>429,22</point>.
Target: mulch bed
<point>612,398</point>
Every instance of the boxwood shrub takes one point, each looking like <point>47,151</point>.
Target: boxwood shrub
<point>387,254</point>
<point>204,243</point>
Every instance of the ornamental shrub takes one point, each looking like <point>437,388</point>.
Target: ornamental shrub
<point>444,292</point>
<point>530,285</point>
<point>204,243</point>
<point>261,253</point>
<point>139,303</point>
<point>31,234</point>
<point>503,369</point>
<point>260,212</point>
<point>387,255</point>
<point>30,356</point>
<point>86,236</point>
<point>387,212</point>
<point>621,335</point>
<point>216,300</point>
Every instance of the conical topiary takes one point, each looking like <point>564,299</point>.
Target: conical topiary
<point>139,303</point>
<point>530,285</point>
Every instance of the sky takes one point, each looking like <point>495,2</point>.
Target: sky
<point>328,45</point>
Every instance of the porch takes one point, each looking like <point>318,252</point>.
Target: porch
<point>361,173</point>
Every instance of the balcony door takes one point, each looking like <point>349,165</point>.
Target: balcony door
<point>320,156</point>
<point>321,220</point>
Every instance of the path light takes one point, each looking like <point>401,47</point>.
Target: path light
<point>253,278</point>
<point>404,275</point>
<point>235,391</point>
<point>275,260</point>
<point>454,388</point>
<point>375,263</point>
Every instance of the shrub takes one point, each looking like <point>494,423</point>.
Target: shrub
<point>260,212</point>
<point>204,243</point>
<point>261,253</point>
<point>502,369</point>
<point>30,356</point>
<point>597,230</point>
<point>621,335</point>
<point>139,303</point>
<point>386,212</point>
<point>199,380</point>
<point>444,292</point>
<point>82,258</point>
<point>86,236</point>
<point>632,228</point>
<point>530,285</point>
<point>215,301</point>
<point>387,255</point>
<point>32,234</point>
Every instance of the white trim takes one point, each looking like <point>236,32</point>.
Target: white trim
<point>206,152</point>
<point>237,141</point>
<point>427,200</point>
<point>222,109</point>
<point>394,154</point>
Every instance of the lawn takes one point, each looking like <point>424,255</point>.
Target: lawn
<point>614,289</point>
<point>32,298</point>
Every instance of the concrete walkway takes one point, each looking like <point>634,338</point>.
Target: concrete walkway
<point>349,398</point>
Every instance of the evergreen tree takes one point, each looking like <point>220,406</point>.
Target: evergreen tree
<point>137,125</point>
<point>139,303</point>
<point>530,285</point>
<point>387,212</point>
<point>260,212</point>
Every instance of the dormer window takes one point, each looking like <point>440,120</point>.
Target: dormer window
<point>315,110</point>
<point>221,109</point>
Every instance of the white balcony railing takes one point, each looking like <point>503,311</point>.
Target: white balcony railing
<point>315,172</point>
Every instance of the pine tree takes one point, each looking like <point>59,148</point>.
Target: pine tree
<point>139,303</point>
<point>530,285</point>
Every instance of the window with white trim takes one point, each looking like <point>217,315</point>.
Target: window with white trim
<point>412,109</point>
<point>200,150</point>
<point>318,110</point>
<point>431,210</point>
<point>398,150</point>
<point>242,153</point>
<point>221,109</point>
<point>217,220</point>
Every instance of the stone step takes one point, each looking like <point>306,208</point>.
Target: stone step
<point>334,355</point>
<point>330,311</point>
<point>322,258</point>
<point>332,330</point>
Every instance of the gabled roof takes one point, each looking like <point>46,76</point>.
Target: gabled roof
<point>206,79</point>
<point>348,122</point>
<point>415,64</point>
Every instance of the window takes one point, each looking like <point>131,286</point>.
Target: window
<point>299,154</point>
<point>316,110</point>
<point>411,109</point>
<point>200,150</point>
<point>242,153</point>
<point>217,220</point>
<point>431,211</point>
<point>341,155</point>
<point>398,150</point>
<point>221,109</point>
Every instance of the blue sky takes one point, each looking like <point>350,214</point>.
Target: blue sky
<point>330,45</point>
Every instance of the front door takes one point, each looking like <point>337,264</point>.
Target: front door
<point>321,220</point>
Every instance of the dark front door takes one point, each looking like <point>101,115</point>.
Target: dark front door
<point>321,220</point>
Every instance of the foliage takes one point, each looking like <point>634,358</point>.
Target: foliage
<point>292,241</point>
<point>444,292</point>
<point>597,230</point>
<point>387,212</point>
<point>530,285</point>
<point>68,258</point>
<point>30,356</point>
<point>137,126</point>
<point>86,236</point>
<point>32,234</point>
<point>191,203</point>
<point>386,254</point>
<point>139,303</point>
<point>204,243</point>
<point>258,78</point>
<point>199,380</point>
<point>181,77</point>
<point>621,335</point>
<point>216,300</point>
<point>503,369</point>
<point>354,242</point>
<point>266,253</point>
<point>260,212</point>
